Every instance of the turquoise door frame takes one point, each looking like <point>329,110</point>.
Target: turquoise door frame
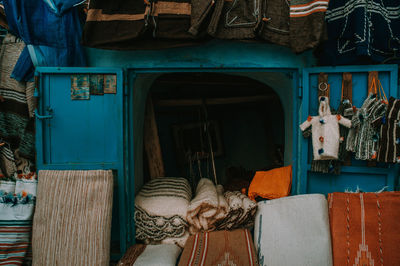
<point>358,175</point>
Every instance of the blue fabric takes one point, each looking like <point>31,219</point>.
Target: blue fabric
<point>52,31</point>
<point>361,31</point>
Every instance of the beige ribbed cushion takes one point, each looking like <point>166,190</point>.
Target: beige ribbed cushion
<point>72,221</point>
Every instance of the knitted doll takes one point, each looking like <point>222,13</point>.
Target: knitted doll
<point>325,131</point>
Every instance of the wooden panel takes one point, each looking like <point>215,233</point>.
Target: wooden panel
<point>152,142</point>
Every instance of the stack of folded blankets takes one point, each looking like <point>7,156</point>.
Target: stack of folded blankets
<point>211,209</point>
<point>160,211</point>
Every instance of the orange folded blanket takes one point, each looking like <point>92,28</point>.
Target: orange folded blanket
<point>272,184</point>
<point>365,228</point>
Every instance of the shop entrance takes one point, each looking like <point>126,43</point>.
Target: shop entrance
<point>211,121</point>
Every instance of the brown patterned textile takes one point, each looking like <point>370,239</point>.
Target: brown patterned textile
<point>274,26</point>
<point>130,24</point>
<point>72,221</point>
<point>219,248</point>
<point>238,20</point>
<point>365,228</point>
<point>389,141</point>
<point>307,23</point>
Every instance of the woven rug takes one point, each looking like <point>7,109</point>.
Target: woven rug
<point>365,228</point>
<point>219,248</point>
<point>72,221</point>
<point>293,231</point>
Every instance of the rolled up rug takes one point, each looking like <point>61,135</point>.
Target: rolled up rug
<point>160,211</point>
<point>207,207</point>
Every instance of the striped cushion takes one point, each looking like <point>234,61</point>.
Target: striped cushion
<point>72,222</point>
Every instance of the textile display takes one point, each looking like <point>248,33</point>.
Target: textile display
<point>237,19</point>
<point>124,25</point>
<point>131,255</point>
<point>365,228</point>
<point>241,212</point>
<point>389,142</point>
<point>72,220</point>
<point>207,207</point>
<point>307,24</point>
<point>293,231</point>
<point>272,184</point>
<point>274,25</point>
<point>361,31</point>
<point>159,255</point>
<point>52,31</point>
<point>17,203</point>
<point>16,108</point>
<point>160,211</point>
<point>219,248</point>
<point>364,138</point>
<point>325,131</point>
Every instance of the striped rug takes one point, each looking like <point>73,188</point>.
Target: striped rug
<point>14,241</point>
<point>72,221</point>
<point>219,248</point>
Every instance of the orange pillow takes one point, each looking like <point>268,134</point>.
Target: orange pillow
<point>272,184</point>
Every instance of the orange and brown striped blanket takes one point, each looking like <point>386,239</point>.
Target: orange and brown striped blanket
<point>219,248</point>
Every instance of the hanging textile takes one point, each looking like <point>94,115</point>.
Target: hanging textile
<point>361,31</point>
<point>307,25</point>
<point>363,140</point>
<point>219,248</point>
<point>124,25</point>
<point>52,31</point>
<point>274,25</point>
<point>160,211</point>
<point>325,131</point>
<point>72,221</point>
<point>365,228</point>
<point>17,105</point>
<point>236,20</point>
<point>389,141</point>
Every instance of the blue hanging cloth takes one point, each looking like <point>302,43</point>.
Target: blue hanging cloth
<point>51,30</point>
<point>362,31</point>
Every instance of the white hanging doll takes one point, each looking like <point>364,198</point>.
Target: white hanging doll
<point>325,131</point>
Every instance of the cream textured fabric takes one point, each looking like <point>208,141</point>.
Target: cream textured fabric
<point>72,221</point>
<point>325,131</point>
<point>159,255</point>
<point>208,207</point>
<point>160,211</point>
<point>293,231</point>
